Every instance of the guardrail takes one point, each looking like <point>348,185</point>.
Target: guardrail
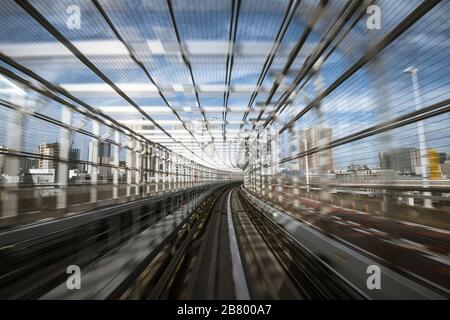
<point>345,260</point>
<point>36,256</point>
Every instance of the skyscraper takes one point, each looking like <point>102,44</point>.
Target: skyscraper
<point>104,153</point>
<point>404,161</point>
<point>309,139</point>
<point>49,153</point>
<point>101,156</point>
<point>74,158</point>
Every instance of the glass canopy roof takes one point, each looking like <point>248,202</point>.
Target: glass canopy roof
<point>196,76</point>
<point>191,66</point>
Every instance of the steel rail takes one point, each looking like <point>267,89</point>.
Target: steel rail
<point>412,117</point>
<point>35,14</point>
<point>294,52</point>
<point>285,23</point>
<point>8,73</point>
<point>315,279</point>
<point>235,9</point>
<point>398,30</point>
<point>170,271</point>
<point>308,75</point>
<point>142,66</point>
<point>59,123</point>
<point>191,73</point>
<point>93,113</point>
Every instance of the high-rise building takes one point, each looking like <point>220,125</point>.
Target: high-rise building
<point>50,155</point>
<point>442,157</point>
<point>104,153</point>
<point>74,158</point>
<point>445,167</point>
<point>309,139</point>
<point>405,161</point>
<point>103,158</point>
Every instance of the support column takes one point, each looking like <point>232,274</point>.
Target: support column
<point>148,167</point>
<point>129,165</point>
<point>163,165</point>
<point>383,108</point>
<point>62,169</point>
<point>156,173</point>
<point>172,172</point>
<point>189,169</point>
<point>10,200</point>
<point>324,138</point>
<point>153,170</point>
<point>138,168</point>
<point>183,170</point>
<point>116,164</point>
<point>93,159</point>
<point>175,172</point>
<point>294,167</point>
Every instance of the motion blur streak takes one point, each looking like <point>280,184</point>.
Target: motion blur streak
<point>224,149</point>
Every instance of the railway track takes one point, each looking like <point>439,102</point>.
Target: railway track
<point>268,277</point>
<point>308,274</point>
<point>234,252</point>
<point>208,267</point>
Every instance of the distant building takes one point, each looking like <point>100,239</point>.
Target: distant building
<point>74,159</point>
<point>342,172</point>
<point>353,167</point>
<point>122,169</point>
<point>27,163</point>
<point>378,174</point>
<point>104,153</point>
<point>363,172</point>
<point>404,161</point>
<point>103,158</point>
<point>24,163</point>
<point>49,153</point>
<point>445,168</point>
<point>39,176</point>
<point>309,139</point>
<point>73,173</point>
<point>5,179</point>
<point>434,164</point>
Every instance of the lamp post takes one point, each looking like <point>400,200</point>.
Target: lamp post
<point>421,133</point>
